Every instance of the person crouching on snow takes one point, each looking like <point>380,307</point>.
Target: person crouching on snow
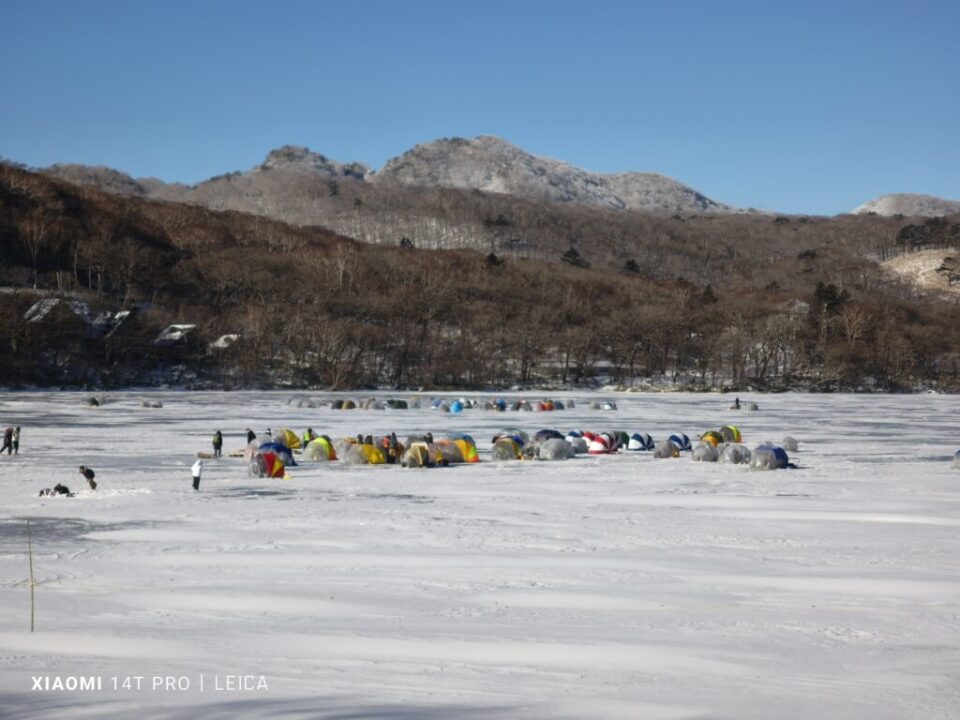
<point>89,474</point>
<point>197,472</point>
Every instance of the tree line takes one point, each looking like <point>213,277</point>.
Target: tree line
<point>315,309</point>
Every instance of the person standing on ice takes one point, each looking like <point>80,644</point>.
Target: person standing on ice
<point>7,441</point>
<point>217,443</point>
<point>197,472</point>
<point>251,436</point>
<point>16,440</point>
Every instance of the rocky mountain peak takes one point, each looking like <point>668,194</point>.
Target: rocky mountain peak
<point>492,164</point>
<point>299,158</point>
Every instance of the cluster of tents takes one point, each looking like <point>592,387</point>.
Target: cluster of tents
<point>269,455</point>
<point>502,405</point>
<point>459,405</point>
<point>373,404</point>
<point>723,445</point>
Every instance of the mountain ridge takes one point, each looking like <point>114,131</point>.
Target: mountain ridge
<point>485,163</point>
<point>909,204</point>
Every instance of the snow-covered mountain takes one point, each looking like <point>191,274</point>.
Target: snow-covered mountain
<point>485,163</point>
<point>910,205</point>
<point>491,164</point>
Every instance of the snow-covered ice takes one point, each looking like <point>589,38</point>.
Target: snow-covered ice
<point>616,586</point>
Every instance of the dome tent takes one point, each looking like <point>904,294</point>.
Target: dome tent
<point>735,454</point>
<point>731,434</point>
<point>769,457</point>
<point>705,452</point>
<point>286,436</point>
<point>711,437</point>
<point>266,463</point>
<point>578,443</point>
<point>364,455</point>
<point>555,449</point>
<point>543,435</point>
<point>666,449</point>
<point>790,444</point>
<point>517,435</point>
<point>681,441</point>
<point>281,450</point>
<point>506,448</point>
<point>640,442</point>
<point>602,444</point>
<point>321,449</point>
<point>426,454</point>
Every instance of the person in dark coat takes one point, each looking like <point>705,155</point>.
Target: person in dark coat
<point>7,441</point>
<point>58,489</point>
<point>89,474</point>
<point>251,436</point>
<point>217,443</point>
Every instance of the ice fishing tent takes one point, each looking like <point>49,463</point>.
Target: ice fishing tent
<point>555,449</point>
<point>288,437</point>
<point>735,454</point>
<point>320,449</point>
<point>440,453</point>
<point>681,441</point>
<point>456,406</point>
<point>731,434</point>
<point>397,404</point>
<point>602,444</point>
<point>769,457</point>
<point>666,449</point>
<point>622,438</point>
<point>712,437</point>
<point>466,446</point>
<point>705,452</point>
<point>640,441</point>
<point>506,448</point>
<point>578,443</point>
<point>364,455</point>
<point>266,463</point>
<point>518,436</point>
<point>790,444</point>
<point>281,450</point>
<point>544,435</point>
<point>342,444</point>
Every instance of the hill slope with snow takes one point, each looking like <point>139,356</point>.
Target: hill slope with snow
<point>492,164</point>
<point>910,205</point>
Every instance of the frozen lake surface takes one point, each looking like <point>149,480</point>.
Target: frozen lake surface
<point>602,587</point>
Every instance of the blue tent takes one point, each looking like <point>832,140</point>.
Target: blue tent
<point>281,450</point>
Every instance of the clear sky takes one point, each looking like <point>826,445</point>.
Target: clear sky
<point>804,107</point>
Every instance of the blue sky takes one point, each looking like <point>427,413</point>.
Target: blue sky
<point>805,107</point>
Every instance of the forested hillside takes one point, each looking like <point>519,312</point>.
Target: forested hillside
<point>728,301</point>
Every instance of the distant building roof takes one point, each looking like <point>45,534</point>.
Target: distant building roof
<point>173,334</point>
<point>224,341</point>
<point>108,322</point>
<point>42,308</point>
